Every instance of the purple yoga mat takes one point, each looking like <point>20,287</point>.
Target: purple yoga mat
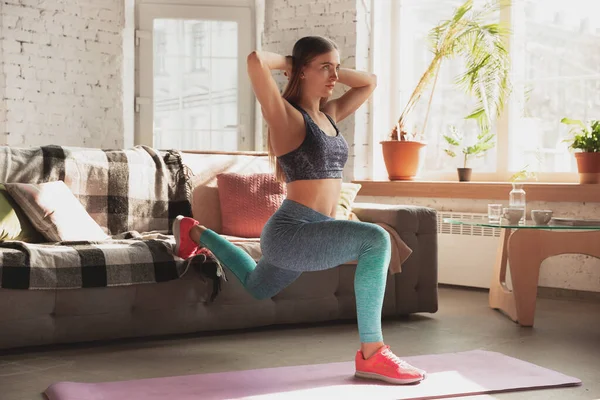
<point>449,375</point>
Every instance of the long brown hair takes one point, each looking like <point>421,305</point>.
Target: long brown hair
<point>305,50</point>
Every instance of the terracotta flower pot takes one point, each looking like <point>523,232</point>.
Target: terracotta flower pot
<point>464,174</point>
<point>588,166</point>
<point>402,158</point>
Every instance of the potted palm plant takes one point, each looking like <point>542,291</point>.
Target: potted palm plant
<point>586,141</point>
<point>483,143</point>
<point>469,34</point>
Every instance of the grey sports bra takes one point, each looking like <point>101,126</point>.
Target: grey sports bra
<point>320,156</point>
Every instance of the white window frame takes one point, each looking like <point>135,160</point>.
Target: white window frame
<point>143,134</point>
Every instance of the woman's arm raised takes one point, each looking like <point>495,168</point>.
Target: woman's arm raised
<point>362,84</point>
<point>260,64</point>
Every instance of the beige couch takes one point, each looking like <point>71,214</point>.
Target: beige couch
<point>42,317</point>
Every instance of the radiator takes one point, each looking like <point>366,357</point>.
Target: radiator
<point>466,254</point>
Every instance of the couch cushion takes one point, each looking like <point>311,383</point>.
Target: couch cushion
<point>248,201</point>
<point>14,224</point>
<point>55,212</point>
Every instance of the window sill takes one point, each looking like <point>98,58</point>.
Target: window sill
<point>536,191</point>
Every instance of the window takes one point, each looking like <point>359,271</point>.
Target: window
<point>209,87</point>
<point>190,93</point>
<point>158,127</point>
<point>160,49</point>
<point>199,48</point>
<point>555,72</point>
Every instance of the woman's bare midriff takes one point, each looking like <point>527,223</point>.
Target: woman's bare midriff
<point>322,195</point>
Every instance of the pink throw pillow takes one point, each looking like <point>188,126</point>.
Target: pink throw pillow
<point>247,202</point>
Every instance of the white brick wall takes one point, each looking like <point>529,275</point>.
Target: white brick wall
<point>62,73</point>
<point>288,20</point>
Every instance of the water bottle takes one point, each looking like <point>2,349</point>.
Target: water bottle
<point>517,199</point>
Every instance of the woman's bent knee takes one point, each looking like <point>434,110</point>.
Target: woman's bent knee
<point>377,236</point>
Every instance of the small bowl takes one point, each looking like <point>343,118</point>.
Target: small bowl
<point>512,215</point>
<point>541,217</point>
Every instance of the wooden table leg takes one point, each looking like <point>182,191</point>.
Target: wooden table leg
<point>526,250</point>
<point>501,297</point>
<point>525,255</point>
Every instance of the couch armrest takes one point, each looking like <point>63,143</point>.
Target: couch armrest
<point>402,218</point>
<point>416,285</point>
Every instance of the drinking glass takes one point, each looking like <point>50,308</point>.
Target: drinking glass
<point>494,213</point>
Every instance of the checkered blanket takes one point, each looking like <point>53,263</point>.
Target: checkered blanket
<point>127,259</point>
<point>134,194</point>
<point>139,189</point>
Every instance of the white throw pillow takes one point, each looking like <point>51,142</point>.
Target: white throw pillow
<point>55,212</point>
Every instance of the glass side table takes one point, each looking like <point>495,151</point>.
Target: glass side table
<point>524,247</point>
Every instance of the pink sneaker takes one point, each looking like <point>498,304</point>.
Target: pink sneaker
<point>386,366</point>
<point>185,247</point>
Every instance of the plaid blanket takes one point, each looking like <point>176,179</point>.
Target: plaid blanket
<point>134,194</point>
<point>127,259</point>
<point>139,189</point>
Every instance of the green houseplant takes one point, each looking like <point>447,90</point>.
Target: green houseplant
<point>483,142</point>
<point>585,140</point>
<point>470,34</point>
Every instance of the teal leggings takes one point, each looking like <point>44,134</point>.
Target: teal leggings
<point>297,239</point>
